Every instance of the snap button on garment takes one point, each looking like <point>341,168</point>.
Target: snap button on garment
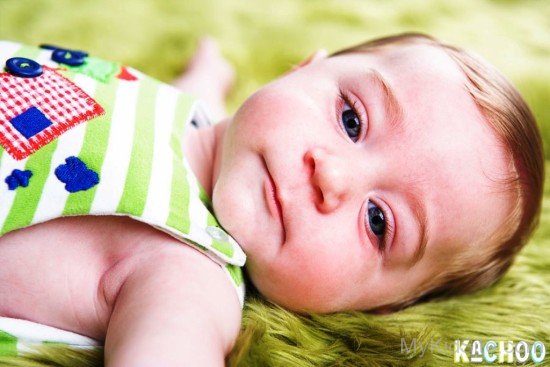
<point>68,57</point>
<point>78,53</point>
<point>217,233</point>
<point>23,67</point>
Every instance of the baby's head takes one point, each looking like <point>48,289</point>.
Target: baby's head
<point>402,168</point>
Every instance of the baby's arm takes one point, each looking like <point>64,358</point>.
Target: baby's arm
<point>174,308</point>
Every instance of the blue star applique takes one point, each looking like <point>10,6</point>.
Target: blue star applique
<point>18,178</point>
<point>75,175</point>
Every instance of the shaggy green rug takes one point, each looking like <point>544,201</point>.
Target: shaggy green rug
<point>263,39</point>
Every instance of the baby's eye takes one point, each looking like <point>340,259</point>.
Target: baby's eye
<point>377,223</point>
<point>352,116</point>
<point>351,122</point>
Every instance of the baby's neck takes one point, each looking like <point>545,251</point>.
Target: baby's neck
<point>202,148</point>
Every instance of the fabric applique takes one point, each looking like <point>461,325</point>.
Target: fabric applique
<point>79,61</point>
<point>35,111</point>
<point>75,175</point>
<point>126,75</point>
<point>30,122</point>
<point>103,71</point>
<point>18,178</point>
<point>100,70</point>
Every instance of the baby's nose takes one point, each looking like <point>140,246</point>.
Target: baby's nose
<point>327,178</point>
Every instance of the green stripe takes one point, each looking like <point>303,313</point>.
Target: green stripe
<point>8,345</point>
<point>136,187</point>
<point>236,274</point>
<point>179,196</point>
<point>27,198</point>
<point>93,149</point>
<point>29,52</point>
<point>222,246</point>
<point>203,196</point>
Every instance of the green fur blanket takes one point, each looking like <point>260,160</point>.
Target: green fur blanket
<point>263,39</point>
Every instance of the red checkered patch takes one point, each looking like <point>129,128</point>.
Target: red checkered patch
<point>57,99</point>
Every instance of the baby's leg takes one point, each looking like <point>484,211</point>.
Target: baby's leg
<point>208,76</point>
<point>173,308</point>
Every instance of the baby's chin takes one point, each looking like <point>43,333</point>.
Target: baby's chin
<point>251,230</point>
<point>286,294</point>
<point>305,305</point>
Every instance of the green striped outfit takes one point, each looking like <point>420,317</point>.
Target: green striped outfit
<point>135,148</point>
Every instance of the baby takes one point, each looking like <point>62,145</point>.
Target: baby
<point>395,171</point>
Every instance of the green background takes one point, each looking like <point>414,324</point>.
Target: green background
<point>262,39</point>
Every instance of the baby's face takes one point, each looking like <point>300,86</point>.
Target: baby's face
<point>406,148</point>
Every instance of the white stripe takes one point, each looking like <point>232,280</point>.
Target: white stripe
<point>119,149</point>
<point>54,196</point>
<point>7,49</point>
<point>29,331</point>
<point>45,58</point>
<point>157,205</point>
<point>8,164</point>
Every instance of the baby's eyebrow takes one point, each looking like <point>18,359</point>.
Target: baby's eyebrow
<point>392,107</point>
<point>419,209</point>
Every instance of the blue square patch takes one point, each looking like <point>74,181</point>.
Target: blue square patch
<point>30,122</point>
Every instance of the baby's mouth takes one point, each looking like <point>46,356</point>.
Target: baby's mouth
<point>272,198</point>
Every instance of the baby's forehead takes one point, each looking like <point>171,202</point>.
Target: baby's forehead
<point>423,59</point>
<point>426,81</point>
<point>418,61</point>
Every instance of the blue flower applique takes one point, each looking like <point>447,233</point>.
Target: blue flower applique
<point>75,175</point>
<point>18,178</point>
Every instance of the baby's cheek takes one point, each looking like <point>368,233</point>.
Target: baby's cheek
<point>323,278</point>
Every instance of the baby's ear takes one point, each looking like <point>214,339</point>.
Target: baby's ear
<point>318,55</point>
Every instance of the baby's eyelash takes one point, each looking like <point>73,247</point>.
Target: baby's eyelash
<point>352,102</point>
<point>344,97</point>
<point>387,234</point>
